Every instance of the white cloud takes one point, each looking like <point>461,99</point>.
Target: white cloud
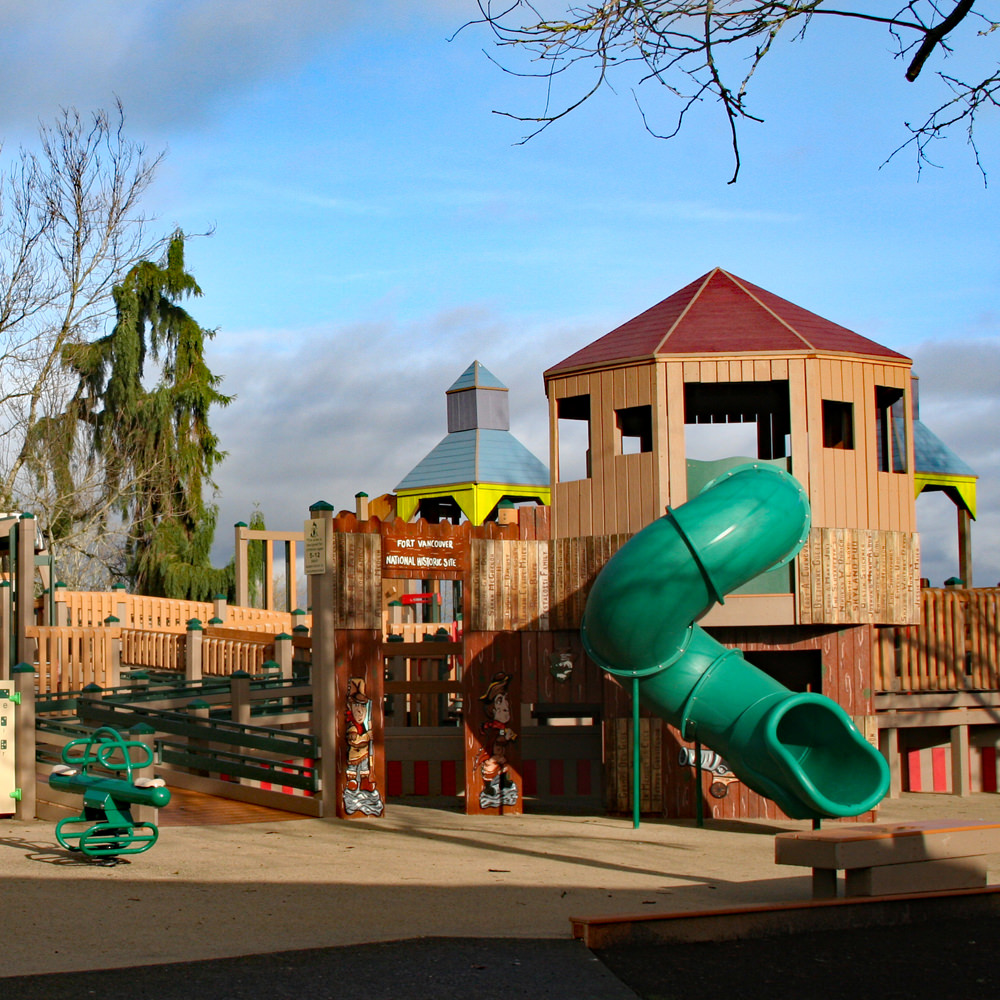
<point>324,413</point>
<point>960,403</point>
<point>169,63</point>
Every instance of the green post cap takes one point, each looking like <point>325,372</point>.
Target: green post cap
<point>23,668</point>
<point>239,673</point>
<point>954,581</point>
<point>301,628</point>
<point>271,664</point>
<point>357,496</point>
<point>92,688</point>
<point>281,635</point>
<point>198,703</point>
<point>194,625</point>
<point>112,620</point>
<point>321,505</point>
<point>118,586</point>
<point>142,729</point>
<point>215,621</point>
<point>240,524</point>
<point>26,516</point>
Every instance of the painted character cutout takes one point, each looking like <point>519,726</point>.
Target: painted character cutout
<point>360,793</point>
<point>496,734</point>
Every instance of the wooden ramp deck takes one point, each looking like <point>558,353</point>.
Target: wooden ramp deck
<point>189,808</point>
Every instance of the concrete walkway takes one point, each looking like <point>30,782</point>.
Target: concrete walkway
<point>215,892</point>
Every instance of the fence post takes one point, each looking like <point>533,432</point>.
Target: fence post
<point>283,654</point>
<point>242,571</point>
<point>239,697</point>
<point>221,608</point>
<point>323,673</point>
<point>24,588</point>
<point>24,741</point>
<point>114,640</point>
<point>121,604</point>
<point>959,739</point>
<point>144,733</point>
<point>60,612</point>
<point>192,650</point>
<point>5,623</point>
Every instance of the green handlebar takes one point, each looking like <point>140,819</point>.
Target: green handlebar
<point>801,750</point>
<point>93,787</point>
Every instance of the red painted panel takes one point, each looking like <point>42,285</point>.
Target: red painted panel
<point>989,769</point>
<point>913,766</point>
<point>529,774</point>
<point>939,765</point>
<point>421,777</point>
<point>583,777</point>
<point>394,777</point>
<point>557,778</point>
<point>449,777</point>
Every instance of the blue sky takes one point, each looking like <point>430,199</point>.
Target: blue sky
<point>376,227</point>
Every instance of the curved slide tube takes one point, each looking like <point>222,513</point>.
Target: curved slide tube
<point>799,749</point>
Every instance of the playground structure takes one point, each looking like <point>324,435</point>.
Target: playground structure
<point>446,658</point>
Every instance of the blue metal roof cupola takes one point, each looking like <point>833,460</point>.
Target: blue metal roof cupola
<point>478,464</point>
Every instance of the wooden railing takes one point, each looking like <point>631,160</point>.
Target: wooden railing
<point>153,650</point>
<point>71,658</point>
<point>82,609</point>
<point>224,651</point>
<point>956,646</point>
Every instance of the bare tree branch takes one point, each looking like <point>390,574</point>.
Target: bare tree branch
<point>680,44</point>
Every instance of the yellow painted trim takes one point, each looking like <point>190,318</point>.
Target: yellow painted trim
<point>476,500</point>
<point>964,486</point>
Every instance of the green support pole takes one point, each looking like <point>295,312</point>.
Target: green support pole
<point>699,800</point>
<point>636,756</point>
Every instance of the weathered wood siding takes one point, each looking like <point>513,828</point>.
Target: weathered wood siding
<point>857,576</point>
<point>956,646</point>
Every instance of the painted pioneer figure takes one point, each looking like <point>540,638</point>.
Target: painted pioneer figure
<point>359,737</point>
<point>497,735</point>
<point>360,791</point>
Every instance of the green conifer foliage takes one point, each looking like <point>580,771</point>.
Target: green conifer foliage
<point>145,391</point>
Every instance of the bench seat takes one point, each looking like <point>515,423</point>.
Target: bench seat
<point>885,858</point>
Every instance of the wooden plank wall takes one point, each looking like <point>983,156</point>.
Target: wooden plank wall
<point>848,490</point>
<point>621,494</point>
<point>956,646</point>
<point>858,576</point>
<point>848,657</point>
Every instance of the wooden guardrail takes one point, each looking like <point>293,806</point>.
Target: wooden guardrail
<point>71,658</point>
<point>956,646</point>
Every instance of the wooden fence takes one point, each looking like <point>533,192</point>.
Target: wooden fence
<point>956,647</point>
<point>83,609</point>
<point>71,658</point>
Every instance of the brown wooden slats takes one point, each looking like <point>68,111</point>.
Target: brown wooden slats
<point>857,576</point>
<point>954,648</point>
<point>70,658</point>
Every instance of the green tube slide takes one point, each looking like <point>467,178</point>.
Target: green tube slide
<point>799,749</point>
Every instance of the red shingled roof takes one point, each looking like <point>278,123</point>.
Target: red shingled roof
<point>722,314</point>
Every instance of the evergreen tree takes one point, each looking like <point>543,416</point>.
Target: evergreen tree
<point>150,430</point>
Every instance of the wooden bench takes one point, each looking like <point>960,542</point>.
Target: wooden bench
<point>885,858</point>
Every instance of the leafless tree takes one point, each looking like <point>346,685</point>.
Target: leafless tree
<point>690,47</point>
<point>71,226</point>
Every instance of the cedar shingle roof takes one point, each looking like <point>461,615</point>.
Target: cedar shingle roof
<point>722,314</point>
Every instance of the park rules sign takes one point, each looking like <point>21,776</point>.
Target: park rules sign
<point>318,546</point>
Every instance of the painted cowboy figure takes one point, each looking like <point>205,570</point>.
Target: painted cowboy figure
<point>497,735</point>
<point>359,737</point>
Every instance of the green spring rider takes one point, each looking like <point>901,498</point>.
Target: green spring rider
<point>105,829</point>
